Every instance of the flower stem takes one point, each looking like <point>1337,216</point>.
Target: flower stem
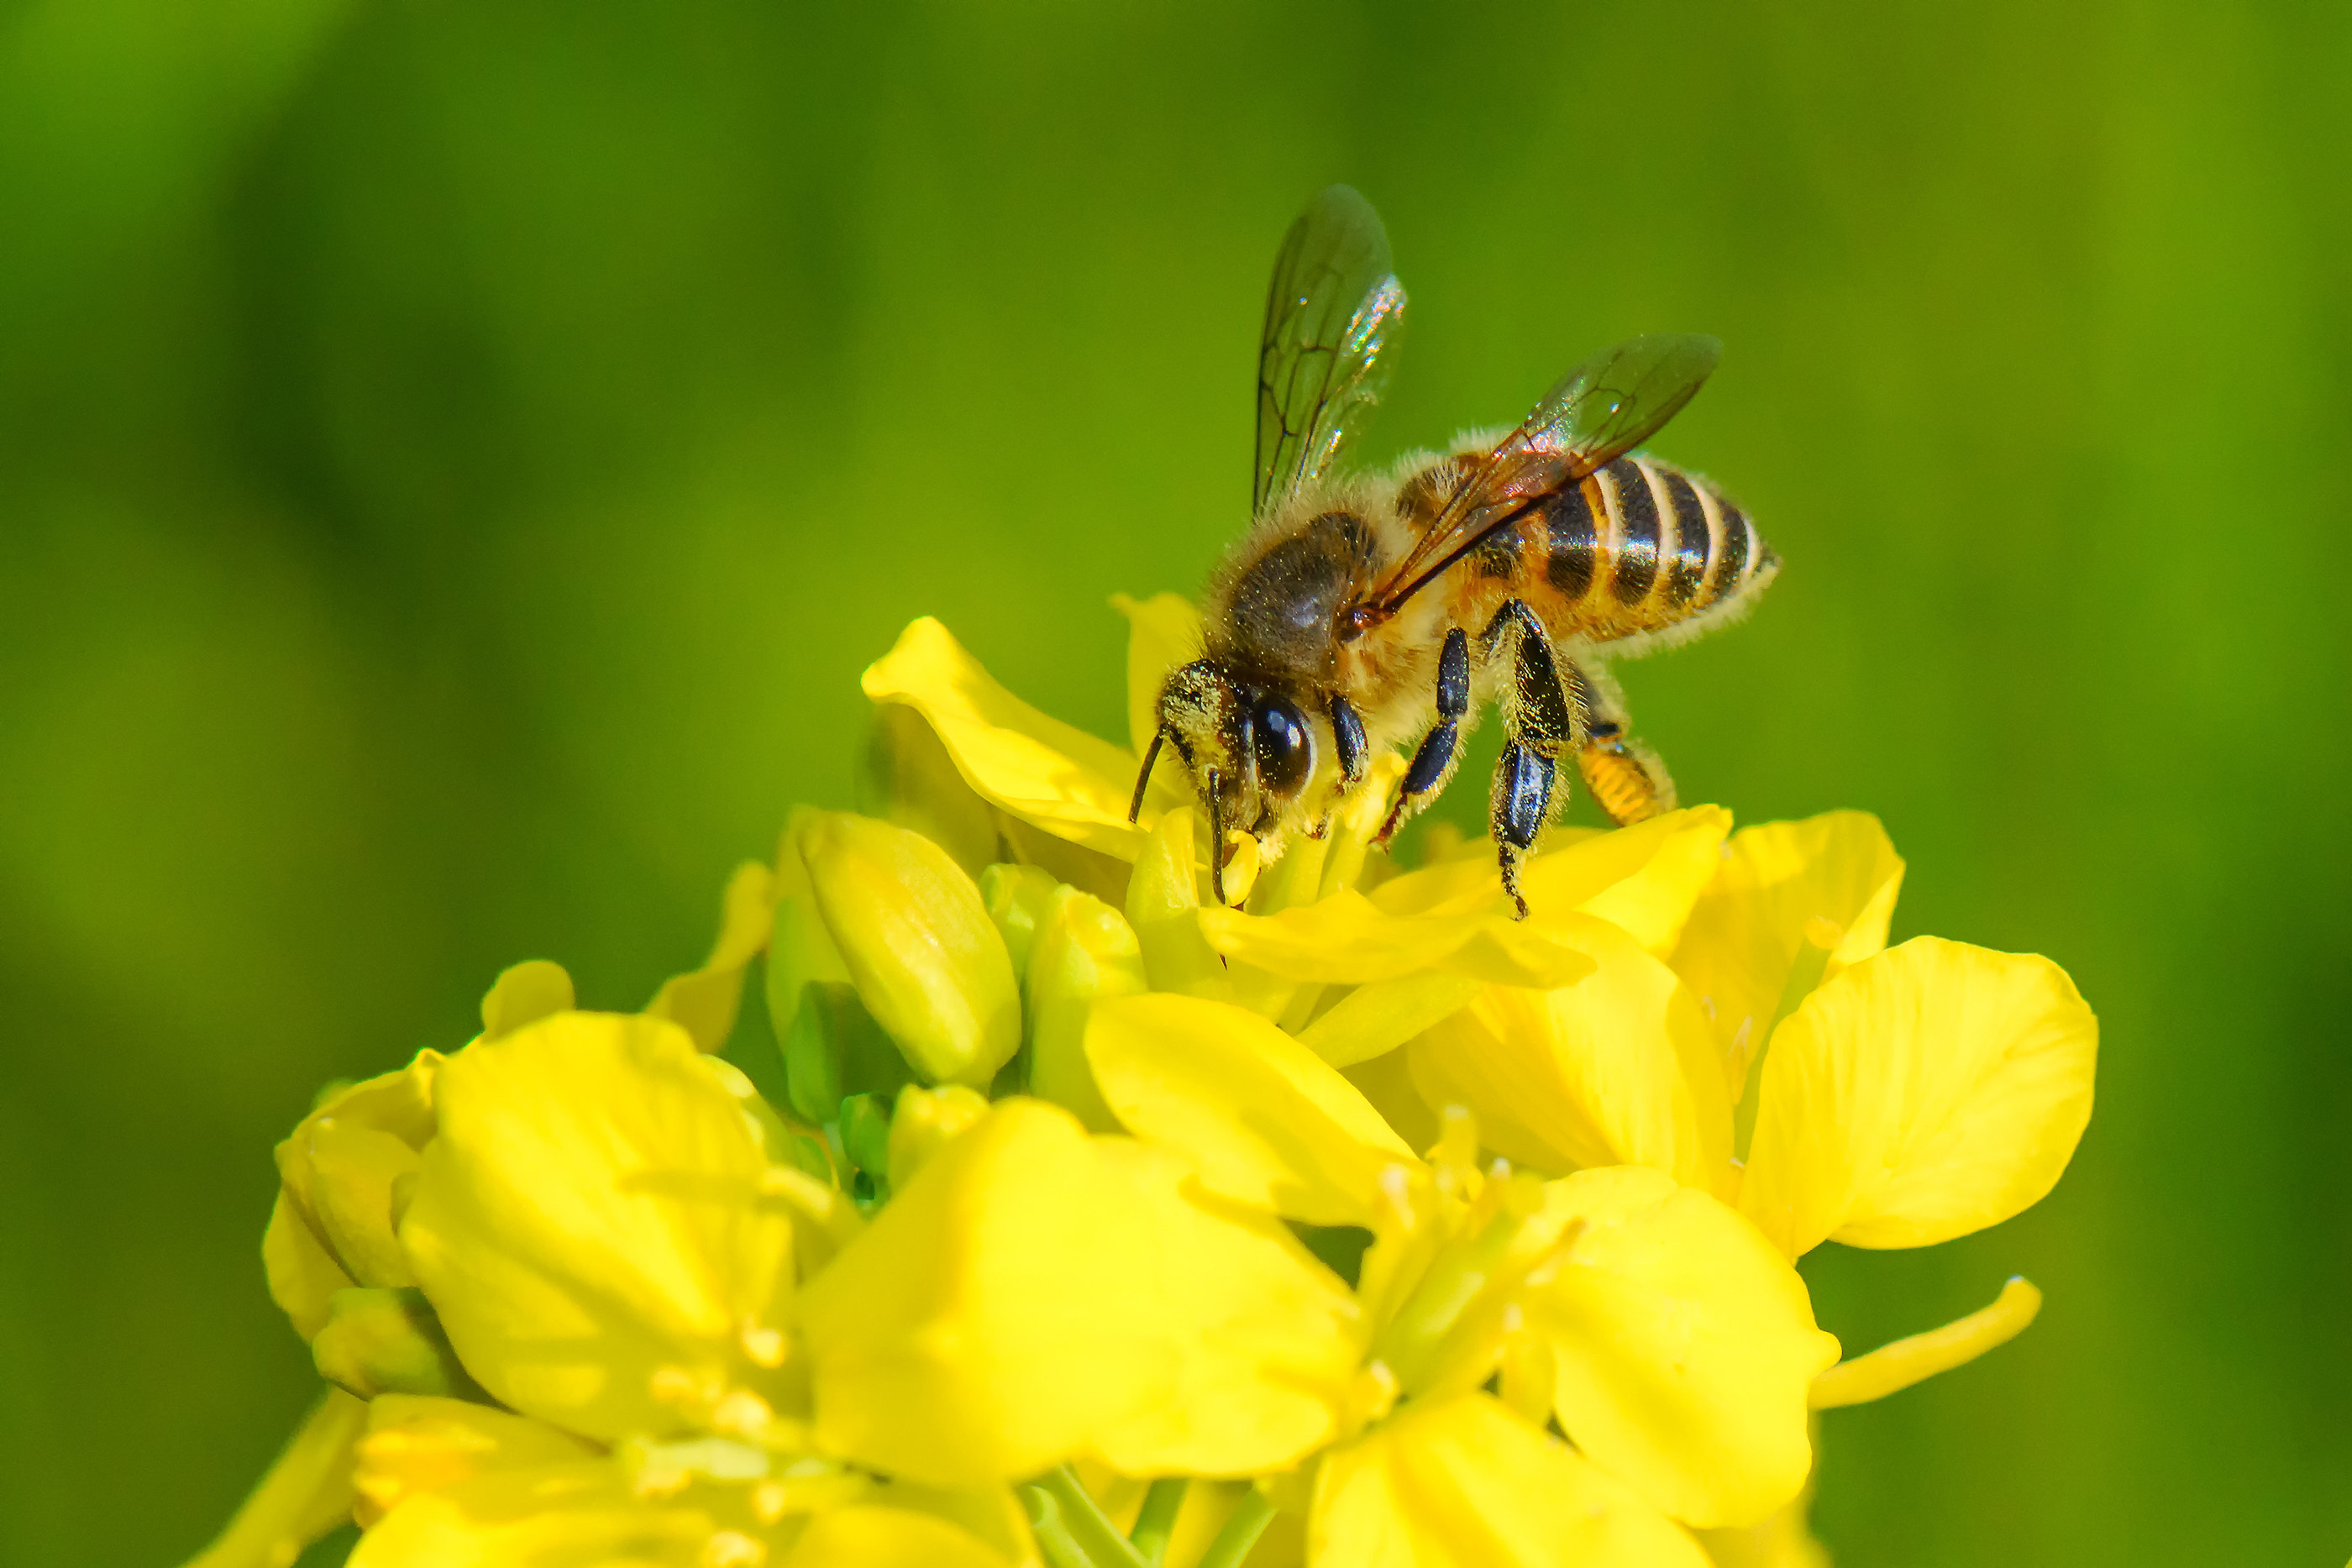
<point>1072,1529</point>
<point>1242,1527</point>
<point>1156,1522</point>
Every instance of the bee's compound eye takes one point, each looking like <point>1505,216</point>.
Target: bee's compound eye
<point>1286,751</point>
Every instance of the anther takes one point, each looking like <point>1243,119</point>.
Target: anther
<point>764,1346</point>
<point>733,1549</point>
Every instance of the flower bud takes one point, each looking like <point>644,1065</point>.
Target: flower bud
<point>865,1133</point>
<point>1086,949</point>
<point>910,780</point>
<point>389,1342</point>
<point>343,1171</point>
<point>919,945</point>
<point>833,1047</point>
<point>1018,899</point>
<point>1163,906</point>
<point>923,1122</point>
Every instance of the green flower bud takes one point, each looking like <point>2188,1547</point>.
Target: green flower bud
<point>389,1342</point>
<point>865,1133</point>
<point>1086,949</point>
<point>832,1047</point>
<point>919,945</point>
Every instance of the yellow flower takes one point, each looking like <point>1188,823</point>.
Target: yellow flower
<point>1721,1007</point>
<point>603,1303</point>
<point>617,1255</point>
<point>1882,1097</point>
<point>1674,1346</point>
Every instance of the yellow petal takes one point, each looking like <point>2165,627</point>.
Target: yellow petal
<point>1372,1020</point>
<point>1087,952</point>
<point>418,1443</point>
<point>353,1168</point>
<point>1683,1346</point>
<point>1891,1368</point>
<point>867,1536</point>
<point>1644,878</point>
<point>1746,930</point>
<point>587,1217</point>
<point>966,1335</point>
<point>705,1000</point>
<point>910,780</point>
<point>926,960</point>
<point>1463,1483</point>
<point>1387,1082</point>
<point>1035,1294</point>
<point>1783,1541</point>
<point>1262,1119</point>
<point>1262,1341</point>
<point>1041,770</point>
<point>1925,1092</point>
<point>525,993</point>
<point>556,1515</point>
<point>1348,939</point>
<point>1163,631</point>
<point>307,1492</point>
<point>1617,1069</point>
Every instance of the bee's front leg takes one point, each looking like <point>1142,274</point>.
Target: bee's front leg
<point>1543,719</point>
<point>1433,761</point>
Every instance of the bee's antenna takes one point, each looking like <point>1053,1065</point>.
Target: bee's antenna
<point>1216,837</point>
<point>1150,755</point>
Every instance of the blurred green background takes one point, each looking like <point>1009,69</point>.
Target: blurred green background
<point>455,458</point>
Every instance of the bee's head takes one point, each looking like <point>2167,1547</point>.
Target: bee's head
<point>1249,747</point>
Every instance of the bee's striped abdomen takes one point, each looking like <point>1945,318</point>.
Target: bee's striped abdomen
<point>1637,547</point>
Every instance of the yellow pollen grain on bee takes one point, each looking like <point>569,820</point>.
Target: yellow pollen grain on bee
<point>769,1499</point>
<point>733,1549</point>
<point>1824,933</point>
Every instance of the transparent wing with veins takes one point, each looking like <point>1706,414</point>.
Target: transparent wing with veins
<point>1333,306</point>
<point>1597,413</point>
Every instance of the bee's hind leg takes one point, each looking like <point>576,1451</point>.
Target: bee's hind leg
<point>1625,777</point>
<point>1543,717</point>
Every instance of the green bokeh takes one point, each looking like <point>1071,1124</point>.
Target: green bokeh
<point>455,458</point>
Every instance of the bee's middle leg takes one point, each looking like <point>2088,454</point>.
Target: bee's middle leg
<point>1544,718</point>
<point>1433,761</point>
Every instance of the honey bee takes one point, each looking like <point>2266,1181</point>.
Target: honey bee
<point>1367,612</point>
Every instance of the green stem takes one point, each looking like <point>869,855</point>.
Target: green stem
<point>1156,1520</point>
<point>1083,1528</point>
<point>1047,1526</point>
<point>1242,1527</point>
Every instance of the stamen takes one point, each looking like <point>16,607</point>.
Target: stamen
<point>764,1346</point>
<point>733,1549</point>
<point>742,1413</point>
<point>1894,1367</point>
